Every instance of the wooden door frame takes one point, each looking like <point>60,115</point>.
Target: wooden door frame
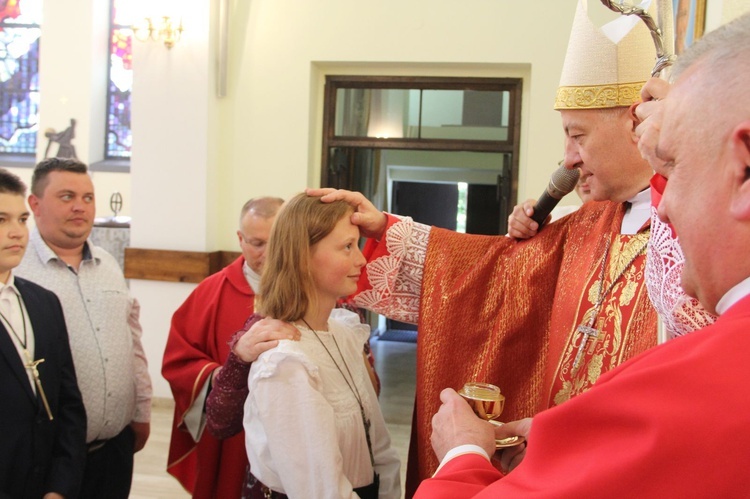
<point>510,145</point>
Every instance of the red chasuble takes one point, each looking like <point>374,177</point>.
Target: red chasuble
<point>505,312</point>
<point>198,344</point>
<point>672,422</point>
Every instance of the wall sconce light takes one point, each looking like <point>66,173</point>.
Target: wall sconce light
<point>166,29</point>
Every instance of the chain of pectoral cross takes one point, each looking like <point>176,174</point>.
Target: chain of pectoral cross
<point>30,364</point>
<point>588,331</point>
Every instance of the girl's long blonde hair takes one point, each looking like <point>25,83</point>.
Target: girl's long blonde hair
<point>287,288</point>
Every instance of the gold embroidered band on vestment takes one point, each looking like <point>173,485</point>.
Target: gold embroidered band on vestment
<point>598,96</point>
<point>608,328</point>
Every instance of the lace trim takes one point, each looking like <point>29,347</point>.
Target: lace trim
<point>396,278</point>
<point>681,313</point>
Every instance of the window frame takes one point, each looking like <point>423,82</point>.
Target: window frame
<point>512,145</point>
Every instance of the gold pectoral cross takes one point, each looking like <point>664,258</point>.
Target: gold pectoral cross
<point>31,365</point>
<point>587,333</point>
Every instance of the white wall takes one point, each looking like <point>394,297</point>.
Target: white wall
<point>173,167</point>
<point>276,90</point>
<point>720,12</point>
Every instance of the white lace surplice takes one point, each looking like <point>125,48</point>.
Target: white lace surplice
<point>303,426</point>
<point>396,278</point>
<point>680,313</point>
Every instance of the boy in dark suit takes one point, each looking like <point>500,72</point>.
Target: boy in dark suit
<point>43,421</point>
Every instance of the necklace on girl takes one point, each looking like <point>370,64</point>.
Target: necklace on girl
<point>352,386</point>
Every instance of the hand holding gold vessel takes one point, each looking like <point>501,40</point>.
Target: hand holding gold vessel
<point>488,402</point>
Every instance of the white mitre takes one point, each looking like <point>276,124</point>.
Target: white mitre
<point>605,67</point>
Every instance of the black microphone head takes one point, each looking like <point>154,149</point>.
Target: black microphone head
<point>563,181</point>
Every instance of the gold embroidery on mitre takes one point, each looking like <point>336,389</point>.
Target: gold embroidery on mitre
<point>598,96</point>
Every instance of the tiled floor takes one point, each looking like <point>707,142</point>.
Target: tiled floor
<point>396,365</point>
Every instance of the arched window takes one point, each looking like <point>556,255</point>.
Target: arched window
<point>119,138</point>
<point>19,76</point>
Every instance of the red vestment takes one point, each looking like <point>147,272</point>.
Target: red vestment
<point>506,312</point>
<point>672,422</point>
<point>198,344</point>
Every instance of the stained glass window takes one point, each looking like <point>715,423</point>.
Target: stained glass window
<point>119,138</point>
<point>19,75</point>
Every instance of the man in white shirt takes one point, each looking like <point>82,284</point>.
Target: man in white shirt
<point>102,319</point>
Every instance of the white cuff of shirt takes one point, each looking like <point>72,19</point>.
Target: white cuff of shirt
<point>460,451</point>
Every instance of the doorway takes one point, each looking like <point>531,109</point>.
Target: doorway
<point>430,203</point>
<point>367,114</point>
<point>408,144</point>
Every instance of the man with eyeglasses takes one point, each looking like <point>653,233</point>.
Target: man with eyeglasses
<point>197,347</point>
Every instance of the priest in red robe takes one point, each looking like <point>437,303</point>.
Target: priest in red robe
<point>671,422</point>
<point>198,345</point>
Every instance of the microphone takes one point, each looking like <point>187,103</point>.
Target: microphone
<point>561,182</point>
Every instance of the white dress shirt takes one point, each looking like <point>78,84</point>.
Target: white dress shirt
<point>105,335</point>
<point>638,213</point>
<point>16,321</point>
<point>735,294</point>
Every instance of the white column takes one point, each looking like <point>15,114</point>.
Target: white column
<point>172,170</point>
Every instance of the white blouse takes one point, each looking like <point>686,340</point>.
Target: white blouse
<point>303,426</point>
